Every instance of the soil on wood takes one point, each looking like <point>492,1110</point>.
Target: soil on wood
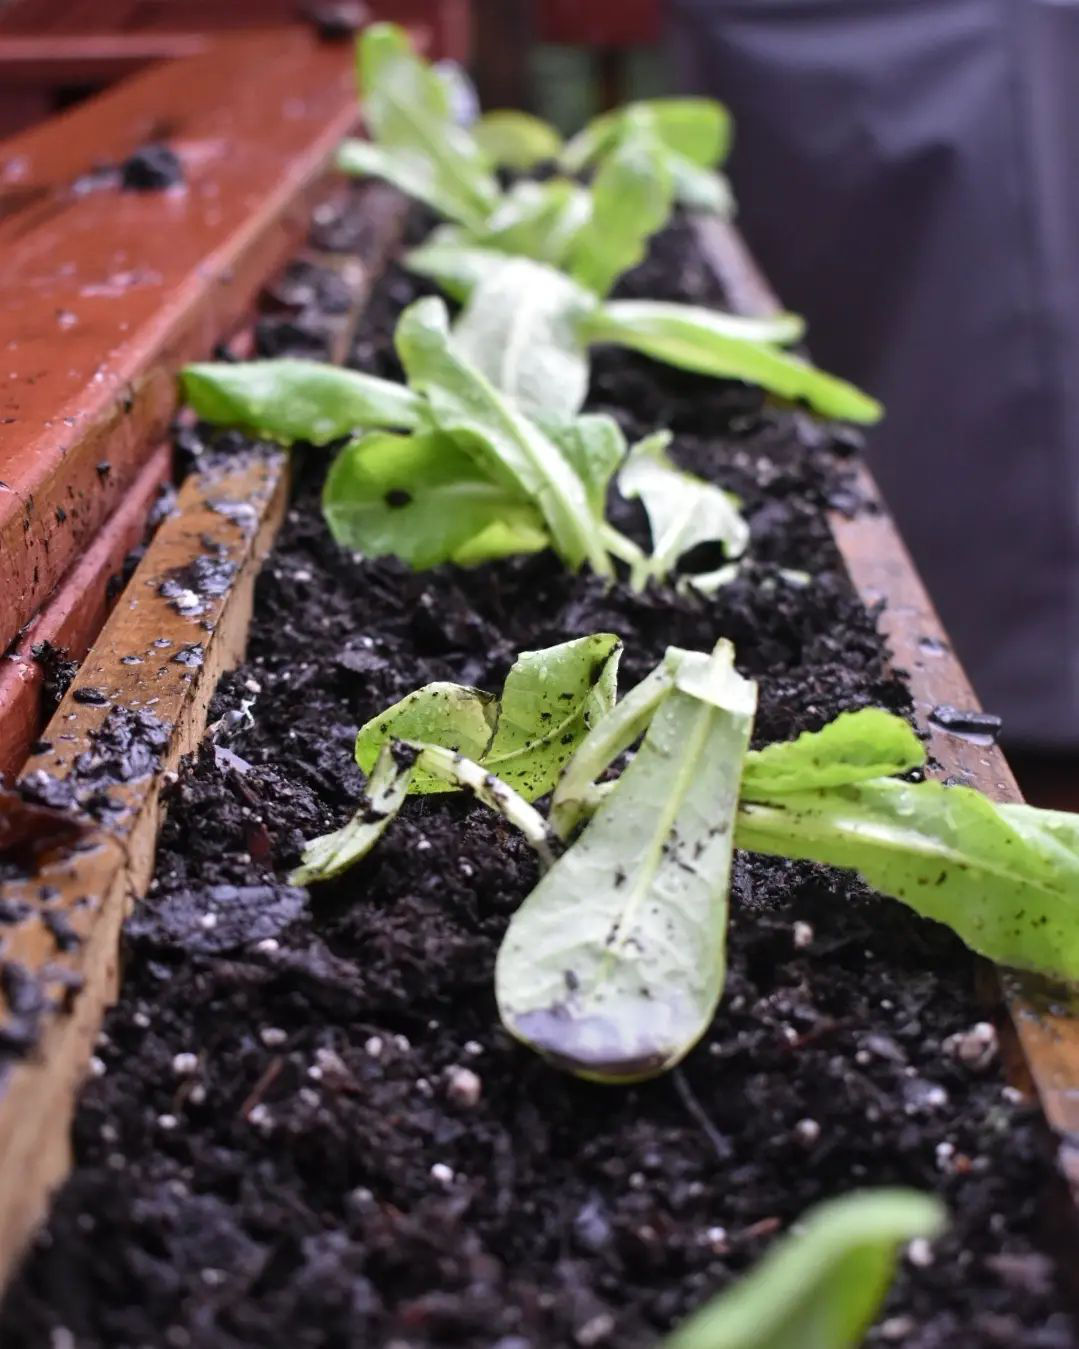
<point>306,1127</point>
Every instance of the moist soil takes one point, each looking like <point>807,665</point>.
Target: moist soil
<point>305,1126</point>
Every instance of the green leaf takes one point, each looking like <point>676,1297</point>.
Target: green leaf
<point>700,189</point>
<point>519,330</point>
<point>729,347</point>
<point>516,140</point>
<point>698,129</point>
<point>821,1286</point>
<point>407,110</point>
<point>550,700</point>
<point>487,425</point>
<point>595,446</point>
<point>457,267</point>
<point>613,965</point>
<point>537,220</point>
<point>856,746</point>
<point>1006,883</point>
<point>683,510</point>
<point>454,716</point>
<point>416,175</point>
<point>422,499</point>
<point>291,400</point>
<point>632,197</point>
<point>330,854</point>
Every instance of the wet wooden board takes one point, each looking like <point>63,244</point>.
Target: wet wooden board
<point>74,615</point>
<point>180,624</point>
<point>104,293</point>
<point>1045,1016</point>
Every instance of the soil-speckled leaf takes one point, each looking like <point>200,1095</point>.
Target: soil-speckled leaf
<point>454,716</point>
<point>489,426</point>
<point>550,700</point>
<point>729,347</point>
<point>632,197</point>
<point>290,400</point>
<point>683,510</point>
<point>422,499</point>
<point>1007,884</point>
<point>613,965</point>
<point>407,110</point>
<point>820,1286</point>
<point>699,129</point>
<point>516,140</point>
<point>330,854</point>
<point>869,743</point>
<point>519,330</point>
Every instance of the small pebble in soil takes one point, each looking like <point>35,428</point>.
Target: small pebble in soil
<point>463,1087</point>
<point>803,935</point>
<point>442,1174</point>
<point>259,1116</point>
<point>976,1048</point>
<point>807,1132</point>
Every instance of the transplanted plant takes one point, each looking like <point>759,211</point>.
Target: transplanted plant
<point>820,1286</point>
<point>614,964</point>
<point>486,468</point>
<point>645,156</point>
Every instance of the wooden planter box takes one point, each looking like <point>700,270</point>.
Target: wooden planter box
<point>159,279</point>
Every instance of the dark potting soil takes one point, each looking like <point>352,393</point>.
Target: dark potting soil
<point>306,1127</point>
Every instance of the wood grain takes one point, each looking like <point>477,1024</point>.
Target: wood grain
<point>1045,1016</point>
<point>66,947</point>
<point>104,293</point>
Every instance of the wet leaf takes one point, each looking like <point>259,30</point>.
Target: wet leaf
<point>1004,878</point>
<point>595,446</point>
<point>729,347</point>
<point>290,400</point>
<point>869,743</point>
<point>683,510</point>
<point>613,965</point>
<point>698,129</point>
<point>489,427</point>
<point>820,1286</point>
<point>535,220</point>
<point>548,703</point>
<point>406,107</point>
<point>516,140</point>
<point>519,329</point>
<point>385,792</point>
<point>422,499</point>
<point>632,197</point>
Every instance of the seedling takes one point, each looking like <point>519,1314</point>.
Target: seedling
<point>614,964</point>
<point>479,477</point>
<point>822,1285</point>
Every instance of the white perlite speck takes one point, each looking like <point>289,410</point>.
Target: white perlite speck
<point>920,1253</point>
<point>373,1046</point>
<point>975,1048</point>
<point>183,1065</point>
<point>463,1087</point>
<point>803,935</point>
<point>273,1036</point>
<point>595,1330</point>
<point>442,1174</point>
<point>807,1132</point>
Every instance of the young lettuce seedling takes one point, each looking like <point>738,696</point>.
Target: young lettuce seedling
<point>705,341</point>
<point>614,964</point>
<point>498,462</point>
<point>821,1286</point>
